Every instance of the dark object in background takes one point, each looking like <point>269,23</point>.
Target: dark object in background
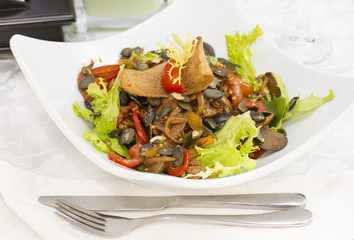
<point>6,5</point>
<point>41,19</point>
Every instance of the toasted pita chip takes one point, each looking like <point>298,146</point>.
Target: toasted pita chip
<point>145,83</point>
<point>197,76</point>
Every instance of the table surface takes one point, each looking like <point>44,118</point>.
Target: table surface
<point>30,142</point>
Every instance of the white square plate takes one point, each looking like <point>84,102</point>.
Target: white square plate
<point>51,69</point>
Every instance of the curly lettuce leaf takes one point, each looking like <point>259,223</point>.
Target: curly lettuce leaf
<point>149,56</point>
<point>281,86</point>
<point>308,104</point>
<point>108,119</point>
<point>99,93</point>
<point>229,154</point>
<point>114,145</point>
<point>107,104</point>
<point>213,60</point>
<point>93,138</point>
<point>83,112</point>
<point>218,170</point>
<point>239,52</point>
<point>99,142</point>
<point>180,52</point>
<point>280,106</point>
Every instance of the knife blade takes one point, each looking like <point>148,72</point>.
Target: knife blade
<point>130,203</point>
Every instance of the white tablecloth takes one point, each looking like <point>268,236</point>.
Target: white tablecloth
<point>34,155</point>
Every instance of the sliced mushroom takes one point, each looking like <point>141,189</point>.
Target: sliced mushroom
<point>272,84</point>
<point>196,75</point>
<point>158,167</point>
<point>272,140</point>
<point>157,164</point>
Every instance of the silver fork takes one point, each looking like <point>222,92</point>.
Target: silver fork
<point>108,225</point>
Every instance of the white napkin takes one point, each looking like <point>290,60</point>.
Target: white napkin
<point>330,198</point>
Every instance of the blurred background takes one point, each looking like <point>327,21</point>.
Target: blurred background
<point>331,19</point>
<point>318,33</point>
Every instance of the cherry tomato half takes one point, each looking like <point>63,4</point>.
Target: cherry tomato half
<point>246,88</point>
<point>171,79</point>
<point>234,86</point>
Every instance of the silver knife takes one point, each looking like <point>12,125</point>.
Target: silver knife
<point>124,203</point>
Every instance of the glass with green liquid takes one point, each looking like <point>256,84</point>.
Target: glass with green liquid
<point>119,13</point>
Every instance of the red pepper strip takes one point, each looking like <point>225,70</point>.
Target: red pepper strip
<point>139,129</point>
<point>120,118</point>
<point>258,153</point>
<point>259,105</point>
<point>137,138</point>
<point>98,82</point>
<point>135,108</point>
<point>173,171</point>
<point>234,87</point>
<point>124,111</point>
<point>110,77</point>
<point>105,70</point>
<point>134,153</point>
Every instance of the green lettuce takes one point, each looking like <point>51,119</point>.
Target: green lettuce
<point>239,52</point>
<point>106,103</point>
<point>280,106</point>
<point>99,93</point>
<point>114,145</point>
<point>213,60</point>
<point>149,56</point>
<point>229,154</point>
<point>109,108</point>
<point>93,138</point>
<point>85,113</point>
<point>308,104</point>
<point>281,86</point>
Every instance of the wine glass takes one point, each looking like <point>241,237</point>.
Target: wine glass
<point>304,44</point>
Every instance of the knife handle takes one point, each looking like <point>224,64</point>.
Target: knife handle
<point>257,201</point>
<point>294,217</point>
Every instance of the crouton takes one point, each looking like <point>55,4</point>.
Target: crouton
<point>197,76</point>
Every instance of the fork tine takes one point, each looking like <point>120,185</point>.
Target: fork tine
<point>79,210</point>
<point>80,225</point>
<point>78,216</point>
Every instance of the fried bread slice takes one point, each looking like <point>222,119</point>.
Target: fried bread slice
<point>196,75</point>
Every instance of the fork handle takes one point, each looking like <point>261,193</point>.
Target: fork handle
<point>285,218</point>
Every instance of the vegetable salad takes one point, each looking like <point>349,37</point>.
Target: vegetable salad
<point>181,111</point>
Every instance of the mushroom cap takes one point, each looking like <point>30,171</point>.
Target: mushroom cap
<point>273,141</point>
